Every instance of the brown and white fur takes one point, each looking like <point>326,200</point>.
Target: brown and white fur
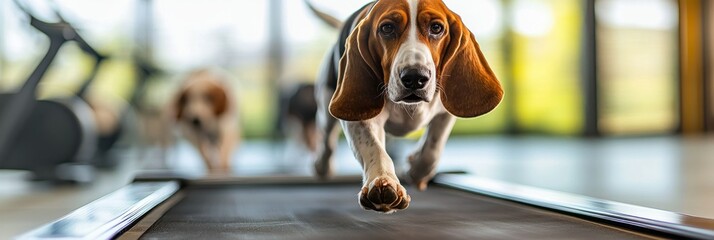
<point>204,110</point>
<point>399,65</point>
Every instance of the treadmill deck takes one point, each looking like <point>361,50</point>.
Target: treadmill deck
<point>330,211</point>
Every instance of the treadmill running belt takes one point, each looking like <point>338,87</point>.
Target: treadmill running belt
<point>331,212</point>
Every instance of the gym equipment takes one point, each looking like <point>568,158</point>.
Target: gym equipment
<point>56,138</point>
<point>456,206</point>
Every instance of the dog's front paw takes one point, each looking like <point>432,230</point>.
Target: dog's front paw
<point>385,195</point>
<point>420,171</point>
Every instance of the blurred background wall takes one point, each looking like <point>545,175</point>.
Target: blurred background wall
<point>569,68</point>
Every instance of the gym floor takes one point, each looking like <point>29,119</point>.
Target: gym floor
<point>669,173</point>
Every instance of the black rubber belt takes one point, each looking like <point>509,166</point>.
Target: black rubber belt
<point>331,212</point>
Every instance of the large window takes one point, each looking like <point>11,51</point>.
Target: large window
<point>637,61</point>
<point>535,48</point>
<point>546,65</point>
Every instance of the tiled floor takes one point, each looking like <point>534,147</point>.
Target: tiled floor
<point>670,173</point>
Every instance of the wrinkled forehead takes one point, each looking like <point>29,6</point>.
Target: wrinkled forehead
<point>398,9</point>
<point>405,8</point>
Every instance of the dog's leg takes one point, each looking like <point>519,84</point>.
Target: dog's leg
<point>329,135</point>
<point>424,160</point>
<point>208,154</point>
<point>229,142</point>
<point>381,190</point>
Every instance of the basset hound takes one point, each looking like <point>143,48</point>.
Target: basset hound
<point>205,112</point>
<point>399,65</point>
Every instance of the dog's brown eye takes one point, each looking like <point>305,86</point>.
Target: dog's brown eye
<point>387,29</point>
<point>436,28</point>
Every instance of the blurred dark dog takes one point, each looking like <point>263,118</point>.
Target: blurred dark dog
<point>296,118</point>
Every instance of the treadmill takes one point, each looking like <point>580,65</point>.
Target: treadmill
<point>165,205</point>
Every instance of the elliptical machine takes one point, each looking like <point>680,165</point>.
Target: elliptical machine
<point>56,138</point>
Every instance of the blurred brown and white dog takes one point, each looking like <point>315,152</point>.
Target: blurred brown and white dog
<point>204,109</point>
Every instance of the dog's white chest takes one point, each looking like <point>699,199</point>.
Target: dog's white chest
<point>405,119</point>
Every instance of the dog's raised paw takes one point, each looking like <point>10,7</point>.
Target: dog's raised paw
<point>384,195</point>
<point>420,173</point>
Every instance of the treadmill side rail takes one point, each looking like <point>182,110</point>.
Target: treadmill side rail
<point>109,215</point>
<point>609,211</point>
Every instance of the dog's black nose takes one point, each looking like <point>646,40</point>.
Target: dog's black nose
<point>414,78</point>
<point>196,122</point>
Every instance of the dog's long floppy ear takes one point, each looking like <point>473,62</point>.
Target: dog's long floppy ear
<point>360,82</point>
<point>219,100</point>
<point>469,87</point>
